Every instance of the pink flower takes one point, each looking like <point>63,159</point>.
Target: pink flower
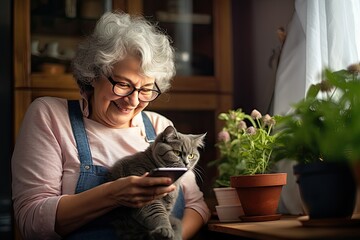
<point>354,68</point>
<point>255,114</point>
<point>242,125</point>
<point>251,130</point>
<point>224,136</point>
<point>268,120</point>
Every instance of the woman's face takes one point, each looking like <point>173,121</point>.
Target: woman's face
<point>112,110</point>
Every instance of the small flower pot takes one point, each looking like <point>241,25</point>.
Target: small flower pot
<point>229,213</point>
<point>226,196</point>
<point>259,195</point>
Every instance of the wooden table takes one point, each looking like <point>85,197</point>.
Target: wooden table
<point>288,227</point>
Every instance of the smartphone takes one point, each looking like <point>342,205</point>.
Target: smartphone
<point>173,172</point>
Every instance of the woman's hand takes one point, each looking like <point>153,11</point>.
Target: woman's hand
<point>135,191</point>
<point>76,210</point>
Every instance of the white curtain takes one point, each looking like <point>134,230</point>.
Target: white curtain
<point>322,33</point>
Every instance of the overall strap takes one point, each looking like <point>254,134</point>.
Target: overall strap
<point>179,206</point>
<point>149,128</point>
<point>77,125</point>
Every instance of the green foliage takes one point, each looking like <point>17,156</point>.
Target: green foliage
<point>324,126</point>
<point>244,150</point>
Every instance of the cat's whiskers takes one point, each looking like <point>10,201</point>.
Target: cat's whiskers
<point>199,172</point>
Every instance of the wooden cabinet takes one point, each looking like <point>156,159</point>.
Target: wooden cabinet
<point>201,33</point>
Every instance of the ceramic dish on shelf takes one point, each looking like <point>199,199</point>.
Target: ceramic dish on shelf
<point>52,68</point>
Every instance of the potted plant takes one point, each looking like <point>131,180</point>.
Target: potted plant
<point>323,135</point>
<point>245,144</point>
<point>229,207</point>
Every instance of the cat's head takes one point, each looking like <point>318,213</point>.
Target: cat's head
<point>174,149</point>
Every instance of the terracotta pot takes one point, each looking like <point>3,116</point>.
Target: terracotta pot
<point>259,194</point>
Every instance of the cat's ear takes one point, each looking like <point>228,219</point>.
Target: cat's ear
<point>169,133</point>
<point>199,140</point>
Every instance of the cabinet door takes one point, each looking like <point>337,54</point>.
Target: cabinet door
<point>46,34</point>
<point>190,25</point>
<point>201,35</point>
<point>56,29</point>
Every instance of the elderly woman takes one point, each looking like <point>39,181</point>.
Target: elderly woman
<point>58,168</point>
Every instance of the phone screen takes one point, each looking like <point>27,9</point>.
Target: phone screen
<point>173,173</point>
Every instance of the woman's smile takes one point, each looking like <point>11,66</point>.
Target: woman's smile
<point>122,109</point>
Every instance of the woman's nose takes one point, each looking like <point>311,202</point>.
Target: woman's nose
<point>133,99</point>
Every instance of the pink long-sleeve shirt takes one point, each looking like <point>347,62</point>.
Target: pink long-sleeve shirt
<point>45,164</point>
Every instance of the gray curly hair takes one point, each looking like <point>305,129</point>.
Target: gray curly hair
<point>116,36</point>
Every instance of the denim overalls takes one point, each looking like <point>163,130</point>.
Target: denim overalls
<point>93,175</point>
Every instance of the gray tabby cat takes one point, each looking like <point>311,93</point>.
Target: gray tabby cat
<point>154,221</point>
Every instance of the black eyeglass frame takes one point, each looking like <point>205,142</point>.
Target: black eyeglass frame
<point>113,82</point>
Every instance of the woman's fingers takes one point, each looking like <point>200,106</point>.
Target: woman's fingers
<point>137,191</point>
<point>153,181</point>
<point>142,201</point>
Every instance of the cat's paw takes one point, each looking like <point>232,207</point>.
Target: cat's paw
<point>163,233</point>
<point>177,227</point>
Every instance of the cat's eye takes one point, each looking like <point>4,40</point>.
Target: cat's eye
<point>176,152</point>
<point>191,156</point>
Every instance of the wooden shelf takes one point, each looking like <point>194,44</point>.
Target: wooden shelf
<point>288,227</point>
<point>61,26</point>
<point>51,81</point>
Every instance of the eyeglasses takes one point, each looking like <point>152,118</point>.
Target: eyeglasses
<point>124,89</point>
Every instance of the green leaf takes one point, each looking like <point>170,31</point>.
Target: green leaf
<point>313,91</point>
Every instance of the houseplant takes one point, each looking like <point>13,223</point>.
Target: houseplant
<point>323,135</point>
<point>244,150</point>
<point>245,146</point>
